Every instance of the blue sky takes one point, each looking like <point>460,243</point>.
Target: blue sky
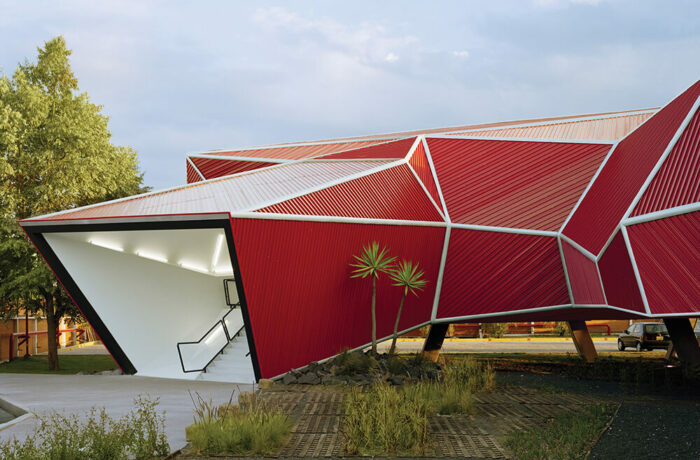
<point>178,77</point>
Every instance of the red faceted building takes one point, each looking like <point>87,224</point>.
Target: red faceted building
<point>588,217</point>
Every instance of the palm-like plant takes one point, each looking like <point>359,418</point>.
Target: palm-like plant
<point>371,262</point>
<point>410,278</point>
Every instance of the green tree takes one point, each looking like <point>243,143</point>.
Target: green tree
<point>55,154</point>
<point>371,262</point>
<point>410,278</point>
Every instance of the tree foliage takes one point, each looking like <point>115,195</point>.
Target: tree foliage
<point>55,154</point>
<point>371,262</point>
<point>409,277</point>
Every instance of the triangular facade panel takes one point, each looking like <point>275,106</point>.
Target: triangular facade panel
<point>392,193</point>
<point>583,277</point>
<point>388,150</point>
<point>667,253</point>
<point>619,282</point>
<point>678,180</point>
<point>212,168</point>
<point>489,272</point>
<point>530,185</point>
<point>242,192</point>
<point>192,175</point>
<point>623,175</point>
<point>419,162</point>
<point>296,152</point>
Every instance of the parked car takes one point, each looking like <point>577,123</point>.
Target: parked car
<point>644,336</point>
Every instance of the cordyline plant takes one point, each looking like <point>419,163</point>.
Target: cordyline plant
<point>371,262</point>
<point>410,278</point>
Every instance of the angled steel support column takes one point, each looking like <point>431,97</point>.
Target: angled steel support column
<point>582,340</point>
<point>433,343</point>
<point>685,344</point>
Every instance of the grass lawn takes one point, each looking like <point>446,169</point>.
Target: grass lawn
<point>69,364</point>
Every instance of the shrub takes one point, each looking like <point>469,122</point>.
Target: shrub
<point>495,330</point>
<point>354,363</point>
<point>469,373</point>
<point>139,434</point>
<point>386,420</point>
<point>250,427</point>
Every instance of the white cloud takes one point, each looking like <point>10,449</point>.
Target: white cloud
<point>391,57</point>
<point>461,54</point>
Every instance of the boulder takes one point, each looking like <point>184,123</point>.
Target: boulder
<point>309,378</point>
<point>289,379</point>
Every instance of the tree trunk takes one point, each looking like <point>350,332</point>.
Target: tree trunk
<point>374,316</point>
<point>396,325</point>
<point>52,333</point>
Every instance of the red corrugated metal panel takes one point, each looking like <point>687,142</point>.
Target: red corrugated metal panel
<point>192,175</point>
<point>619,282</point>
<point>304,306</point>
<point>388,150</point>
<point>490,125</point>
<point>608,128</point>
<point>419,162</point>
<point>624,173</point>
<point>212,168</point>
<point>297,152</point>
<point>243,191</point>
<point>678,181</point>
<point>668,258</point>
<point>393,193</point>
<point>488,272</point>
<point>513,184</point>
<point>583,277</point>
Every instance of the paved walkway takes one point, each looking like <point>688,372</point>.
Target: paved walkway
<point>501,346</point>
<point>75,394</point>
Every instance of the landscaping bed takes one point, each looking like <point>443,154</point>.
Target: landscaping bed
<point>459,414</point>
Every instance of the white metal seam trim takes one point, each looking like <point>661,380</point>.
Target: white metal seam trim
<point>336,219</point>
<point>321,157</point>
<point>326,185</point>
<point>453,319</point>
<point>580,248</point>
<point>679,132</point>
<point>441,272</point>
<point>420,182</point>
<point>588,187</point>
<point>608,243</point>
<point>413,148</point>
<point>519,231</point>
<point>521,139</point>
<point>635,269</point>
<point>191,163</point>
<point>600,280</point>
<point>664,213</point>
<point>573,119</point>
<point>435,178</point>
<point>566,271</point>
<point>249,159</point>
<point>300,144</point>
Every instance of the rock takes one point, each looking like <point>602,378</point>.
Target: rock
<point>289,379</point>
<point>265,383</point>
<point>396,380</point>
<point>310,378</point>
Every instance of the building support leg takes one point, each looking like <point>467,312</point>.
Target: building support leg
<point>582,340</point>
<point>433,343</point>
<point>685,345</point>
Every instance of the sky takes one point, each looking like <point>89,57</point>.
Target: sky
<point>178,77</point>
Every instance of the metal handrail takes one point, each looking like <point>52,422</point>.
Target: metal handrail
<point>228,339</point>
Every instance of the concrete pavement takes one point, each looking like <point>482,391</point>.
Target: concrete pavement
<point>76,394</point>
<point>501,345</point>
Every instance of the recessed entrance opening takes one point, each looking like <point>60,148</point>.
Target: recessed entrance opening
<point>167,297</point>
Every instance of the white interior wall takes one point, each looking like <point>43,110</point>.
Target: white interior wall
<point>148,306</point>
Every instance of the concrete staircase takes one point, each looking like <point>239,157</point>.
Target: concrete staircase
<point>232,365</point>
